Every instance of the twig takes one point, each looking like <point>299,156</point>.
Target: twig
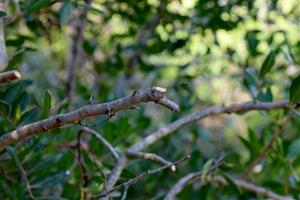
<point>76,58</point>
<point>3,52</point>
<point>109,147</point>
<point>125,193</point>
<point>215,110</point>
<point>9,76</point>
<point>13,154</point>
<point>141,176</point>
<point>266,149</point>
<point>252,188</point>
<point>150,156</point>
<point>178,187</point>
<point>83,171</point>
<point>154,94</point>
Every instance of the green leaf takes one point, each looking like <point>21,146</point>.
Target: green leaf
<point>205,169</point>
<point>47,104</point>
<point>266,96</point>
<point>295,90</point>
<point>12,153</point>
<point>231,183</point>
<point>294,149</point>
<point>29,116</point>
<point>89,7</point>
<point>267,64</point>
<point>64,13</point>
<point>37,5</point>
<point>2,14</point>
<point>4,108</point>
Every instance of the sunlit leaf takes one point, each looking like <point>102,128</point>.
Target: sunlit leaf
<point>47,104</point>
<point>295,90</point>
<point>267,64</point>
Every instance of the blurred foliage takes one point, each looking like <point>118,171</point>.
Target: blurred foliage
<point>205,52</point>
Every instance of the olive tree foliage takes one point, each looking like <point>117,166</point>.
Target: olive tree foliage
<point>77,81</point>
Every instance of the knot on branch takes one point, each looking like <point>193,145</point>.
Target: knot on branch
<point>157,95</point>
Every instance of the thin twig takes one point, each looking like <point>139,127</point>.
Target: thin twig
<point>76,59</point>
<point>141,176</point>
<point>178,187</point>
<point>125,193</point>
<point>264,152</point>
<point>109,147</point>
<point>3,52</point>
<point>13,154</point>
<point>154,94</point>
<point>84,179</point>
<point>150,156</point>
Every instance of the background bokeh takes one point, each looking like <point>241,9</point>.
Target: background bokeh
<point>205,52</point>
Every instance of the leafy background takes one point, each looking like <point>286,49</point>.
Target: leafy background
<point>205,52</point>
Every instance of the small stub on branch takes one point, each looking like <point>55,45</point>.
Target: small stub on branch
<point>9,76</point>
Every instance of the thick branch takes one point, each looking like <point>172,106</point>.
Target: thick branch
<point>107,145</point>
<point>9,76</point>
<point>215,110</point>
<point>152,94</point>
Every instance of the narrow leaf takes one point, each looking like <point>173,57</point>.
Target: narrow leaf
<point>4,108</point>
<point>231,183</point>
<point>65,12</point>
<point>205,169</point>
<point>2,14</point>
<point>295,90</point>
<point>37,5</point>
<point>267,64</point>
<point>47,104</point>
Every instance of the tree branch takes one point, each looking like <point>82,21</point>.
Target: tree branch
<point>9,76</point>
<point>76,59</point>
<point>152,94</point>
<point>141,176</point>
<point>150,156</point>
<point>178,187</point>
<point>253,188</point>
<point>107,145</point>
<point>215,110</point>
<point>84,179</point>
<point>162,132</point>
<point>264,152</point>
